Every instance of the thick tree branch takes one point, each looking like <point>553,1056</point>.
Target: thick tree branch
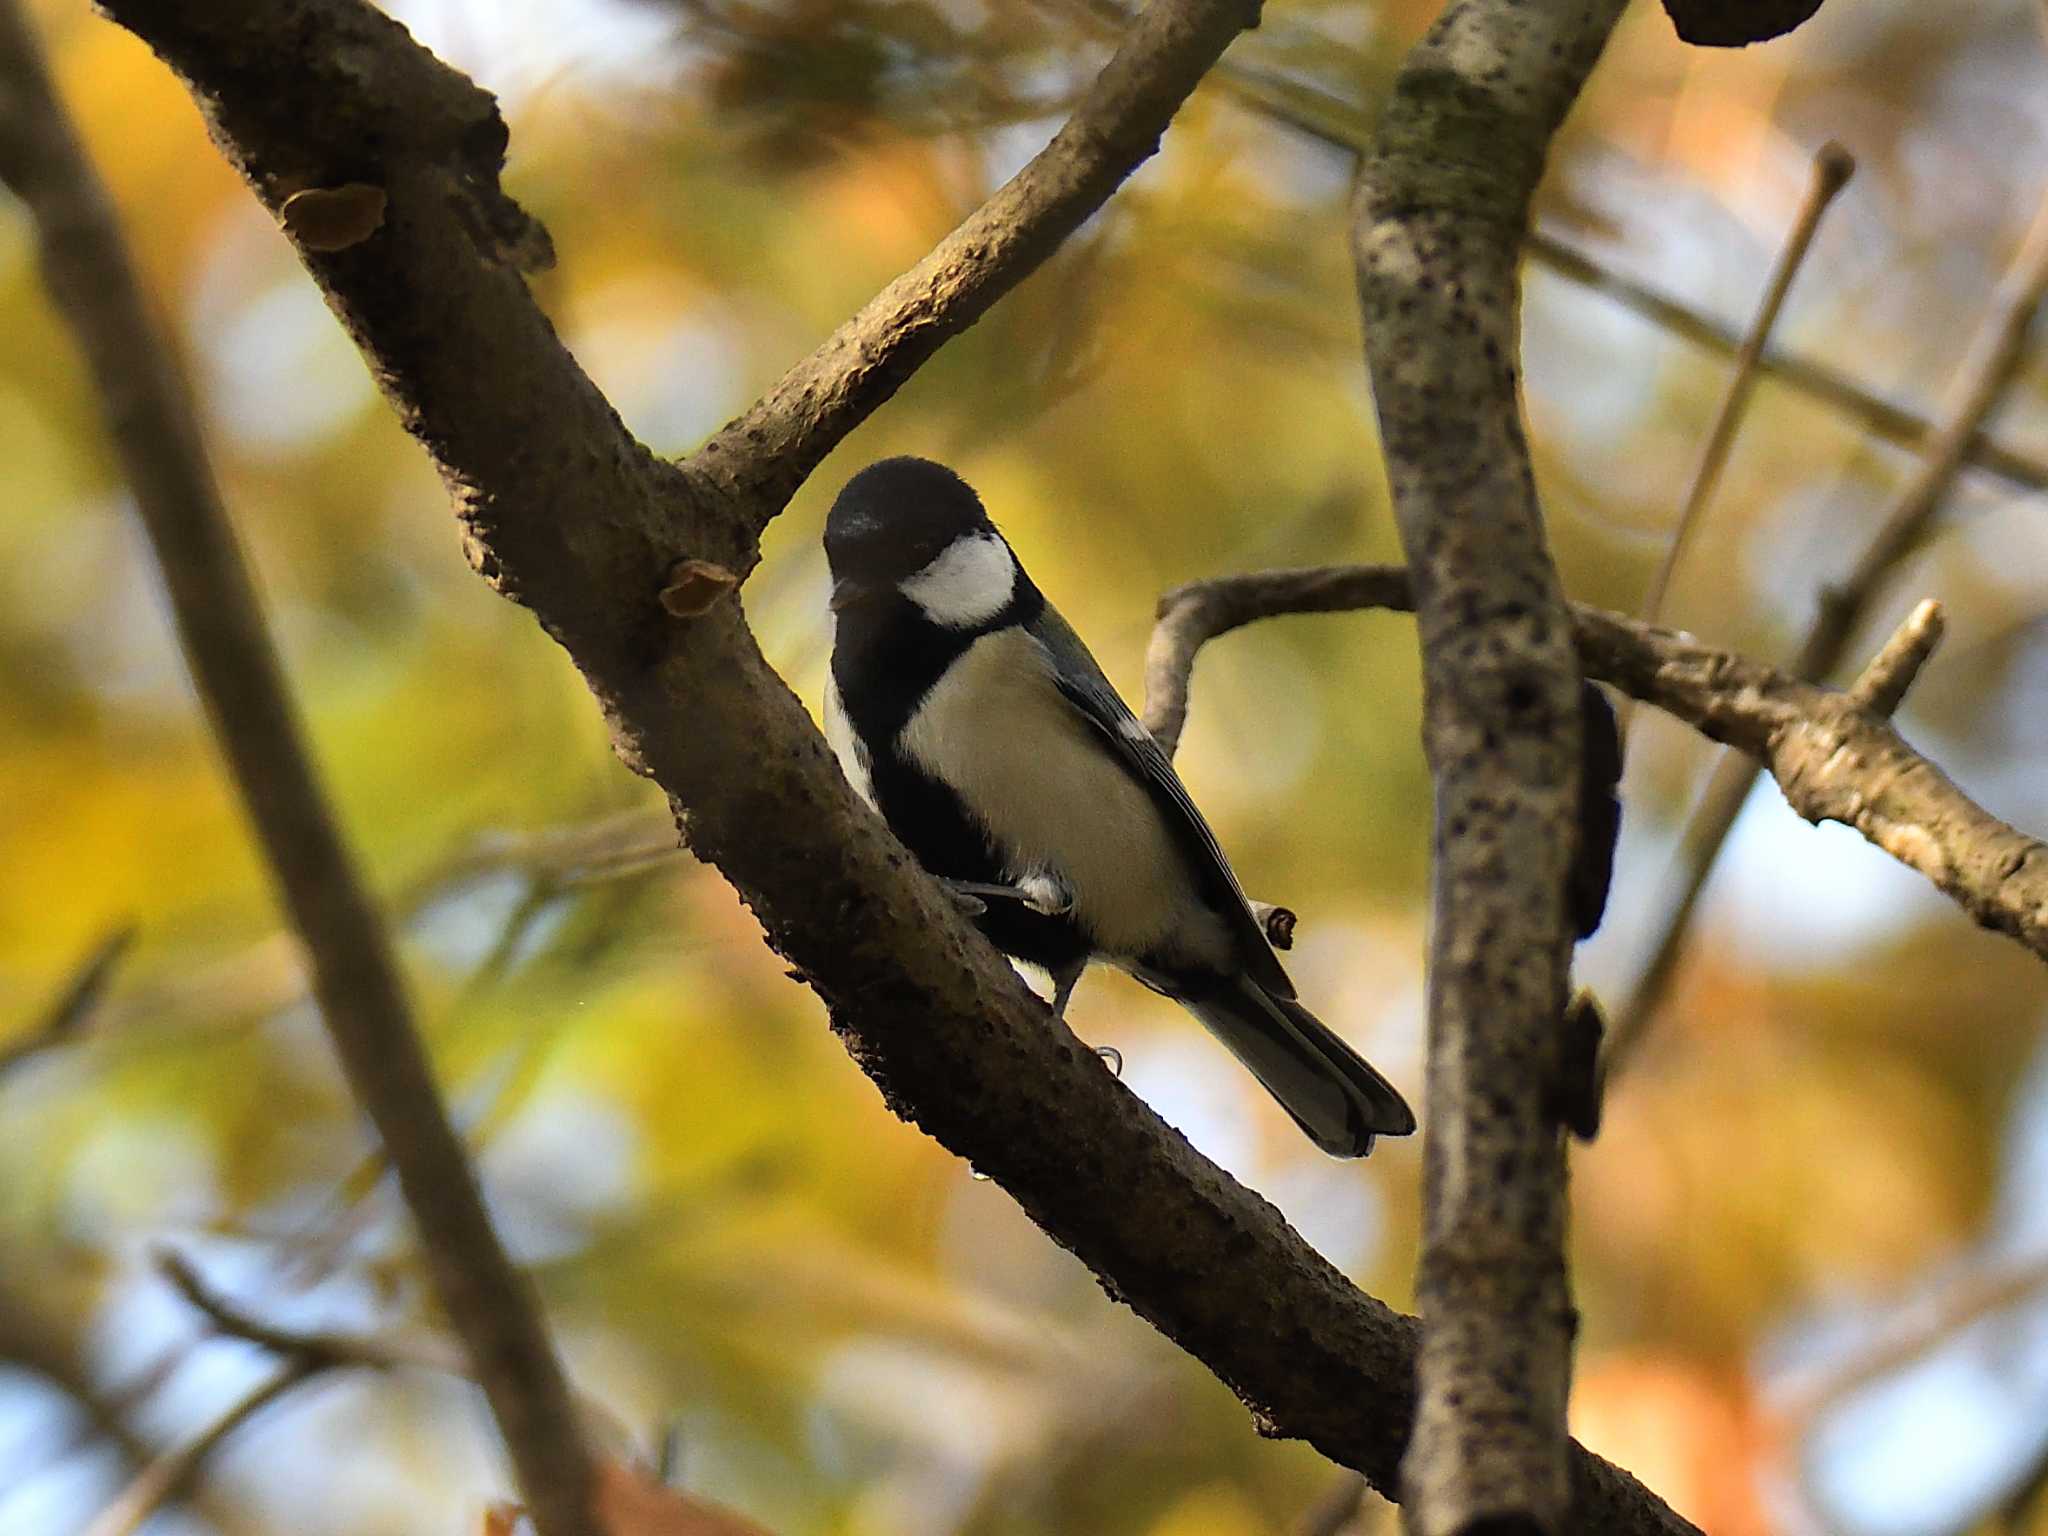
<point>1834,753</point>
<point>1442,206</point>
<point>571,516</point>
<point>238,674</point>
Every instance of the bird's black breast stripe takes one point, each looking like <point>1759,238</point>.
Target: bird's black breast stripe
<point>898,656</point>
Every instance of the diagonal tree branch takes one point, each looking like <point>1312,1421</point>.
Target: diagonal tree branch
<point>1832,168</point>
<point>566,513</point>
<point>1834,753</point>
<point>220,625</point>
<point>1441,209</point>
<point>761,458</point>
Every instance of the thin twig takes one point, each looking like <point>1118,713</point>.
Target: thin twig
<point>1923,1329</point>
<point>1345,125</point>
<point>1832,168</point>
<point>758,460</point>
<point>1885,679</point>
<point>236,669</point>
<point>1834,753</point>
<point>375,1353</point>
<point>381,1352</point>
<point>72,1008</point>
<point>268,975</point>
<point>170,1474</point>
<point>1190,616</point>
<point>1986,372</point>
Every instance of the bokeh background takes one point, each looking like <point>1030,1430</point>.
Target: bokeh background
<point>1811,1245</point>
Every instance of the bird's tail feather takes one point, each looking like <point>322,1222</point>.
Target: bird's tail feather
<point>1332,1092</point>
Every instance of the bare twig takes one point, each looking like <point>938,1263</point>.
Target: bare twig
<point>1189,617</point>
<point>170,1474</point>
<point>269,975</point>
<point>1981,381</point>
<point>304,1357</point>
<point>763,456</point>
<point>1895,424</point>
<point>1832,168</point>
<point>1834,753</point>
<point>220,625</point>
<point>1917,1332</point>
<point>414,1350</point>
<point>1346,125</point>
<point>1883,683</point>
<point>75,1003</point>
<point>1441,205</point>
<point>319,1348</point>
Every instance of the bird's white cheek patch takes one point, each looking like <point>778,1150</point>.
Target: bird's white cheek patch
<point>967,585</point>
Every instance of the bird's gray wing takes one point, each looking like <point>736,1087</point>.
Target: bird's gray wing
<point>1092,695</point>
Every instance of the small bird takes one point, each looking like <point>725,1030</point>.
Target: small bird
<point>971,717</point>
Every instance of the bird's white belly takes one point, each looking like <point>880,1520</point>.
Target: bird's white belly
<point>996,729</point>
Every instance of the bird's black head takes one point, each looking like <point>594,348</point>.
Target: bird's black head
<point>892,520</point>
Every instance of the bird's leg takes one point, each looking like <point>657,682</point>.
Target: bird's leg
<point>1063,981</point>
<point>967,895</point>
<point>1042,894</point>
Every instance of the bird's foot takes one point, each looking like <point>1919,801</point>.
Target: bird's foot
<point>967,896</point>
<point>1043,894</point>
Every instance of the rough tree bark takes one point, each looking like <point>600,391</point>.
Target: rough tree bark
<point>1442,207</point>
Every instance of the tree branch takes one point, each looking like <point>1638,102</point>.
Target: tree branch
<point>1834,753</point>
<point>1346,125</point>
<point>1832,168</point>
<point>1980,382</point>
<point>762,457</point>
<point>220,625</point>
<point>565,512</point>
<point>167,1476</point>
<point>1442,205</point>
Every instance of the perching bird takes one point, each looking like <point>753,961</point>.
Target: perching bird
<point>969,715</point>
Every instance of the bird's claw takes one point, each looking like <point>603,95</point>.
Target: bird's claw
<point>967,900</point>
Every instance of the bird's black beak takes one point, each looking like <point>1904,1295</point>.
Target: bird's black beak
<point>846,592</point>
